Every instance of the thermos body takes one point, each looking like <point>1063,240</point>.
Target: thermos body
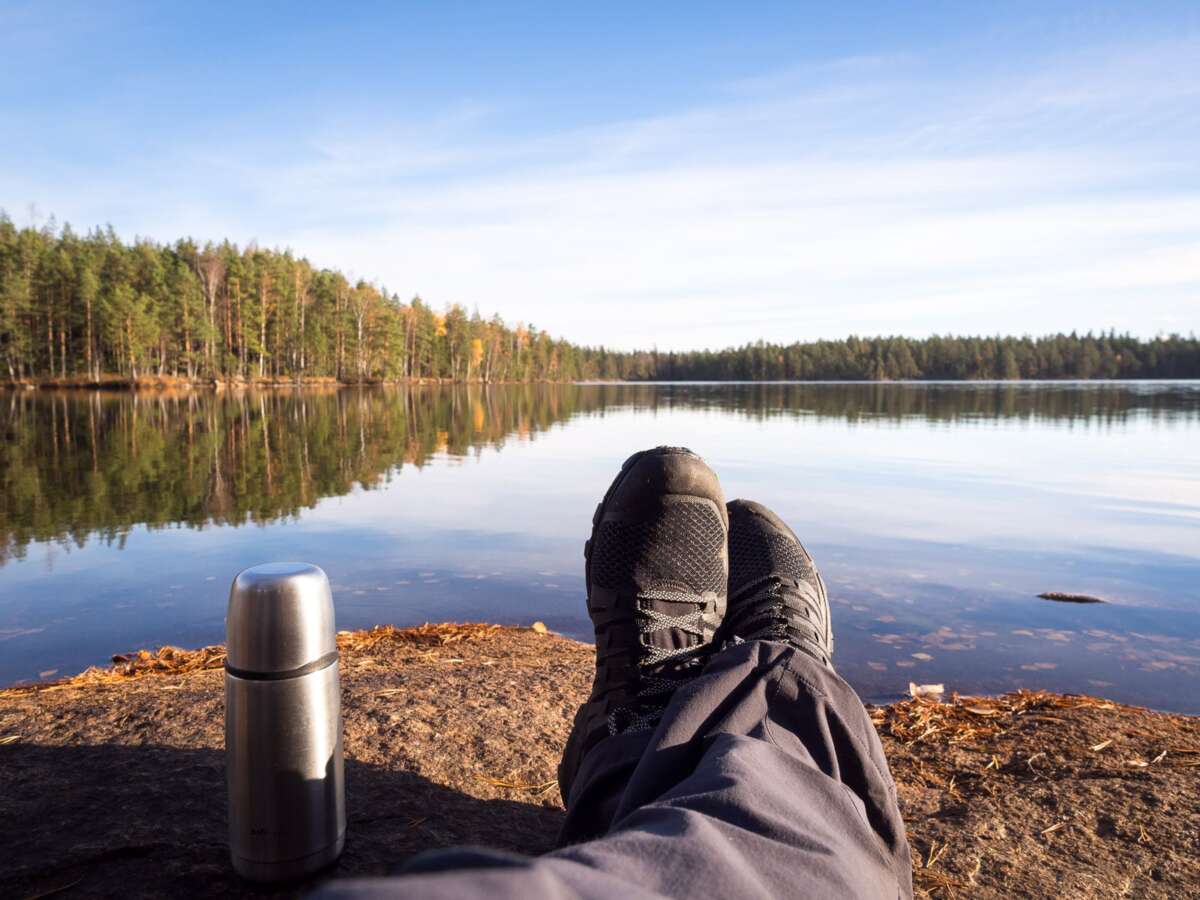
<point>283,724</point>
<point>283,742</point>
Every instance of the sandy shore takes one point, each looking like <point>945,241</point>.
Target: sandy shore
<point>113,783</point>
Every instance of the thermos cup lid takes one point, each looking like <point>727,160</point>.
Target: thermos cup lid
<point>280,620</point>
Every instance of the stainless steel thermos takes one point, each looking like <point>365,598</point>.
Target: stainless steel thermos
<point>283,723</point>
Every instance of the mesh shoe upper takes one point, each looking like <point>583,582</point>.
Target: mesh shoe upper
<point>684,546</point>
<point>667,573</point>
<point>656,571</point>
<point>775,591</point>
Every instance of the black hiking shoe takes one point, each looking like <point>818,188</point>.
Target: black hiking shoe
<point>775,591</point>
<point>656,568</point>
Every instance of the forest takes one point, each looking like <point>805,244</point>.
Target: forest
<point>91,308</point>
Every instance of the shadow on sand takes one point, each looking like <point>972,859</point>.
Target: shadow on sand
<point>149,821</point>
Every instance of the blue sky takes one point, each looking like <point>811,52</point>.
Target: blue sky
<point>644,174</point>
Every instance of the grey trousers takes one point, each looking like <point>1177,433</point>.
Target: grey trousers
<point>765,778</point>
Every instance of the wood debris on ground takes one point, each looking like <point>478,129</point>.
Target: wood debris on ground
<point>427,635</point>
<point>965,719</point>
<point>171,660</point>
<point>453,733</point>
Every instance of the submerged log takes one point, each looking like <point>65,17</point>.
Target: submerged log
<point>1060,597</point>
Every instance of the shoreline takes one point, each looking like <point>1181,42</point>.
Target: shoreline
<point>121,383</point>
<point>112,780</point>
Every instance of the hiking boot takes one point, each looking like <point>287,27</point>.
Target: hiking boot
<point>656,567</point>
<point>775,591</point>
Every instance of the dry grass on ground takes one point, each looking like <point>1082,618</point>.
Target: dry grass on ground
<point>113,781</point>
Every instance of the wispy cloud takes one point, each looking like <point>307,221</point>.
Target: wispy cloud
<point>867,195</point>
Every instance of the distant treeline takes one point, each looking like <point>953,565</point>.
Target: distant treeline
<point>1072,355</point>
<point>82,307</point>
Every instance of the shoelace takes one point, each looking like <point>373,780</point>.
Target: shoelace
<point>764,616</point>
<point>685,664</point>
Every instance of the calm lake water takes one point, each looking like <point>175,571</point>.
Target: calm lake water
<point>936,512</point>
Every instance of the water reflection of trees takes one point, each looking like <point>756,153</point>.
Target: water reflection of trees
<point>79,464</point>
<point>1099,403</point>
<point>74,465</point>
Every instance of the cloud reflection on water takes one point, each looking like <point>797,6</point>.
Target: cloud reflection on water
<point>936,512</point>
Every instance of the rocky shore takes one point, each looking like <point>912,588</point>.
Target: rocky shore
<point>112,782</point>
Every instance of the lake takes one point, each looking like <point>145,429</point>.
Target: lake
<point>936,512</point>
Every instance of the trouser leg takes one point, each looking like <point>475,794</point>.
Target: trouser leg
<point>600,787</point>
<point>765,778</point>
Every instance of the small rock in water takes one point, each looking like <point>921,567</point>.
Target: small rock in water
<point>1060,597</point>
